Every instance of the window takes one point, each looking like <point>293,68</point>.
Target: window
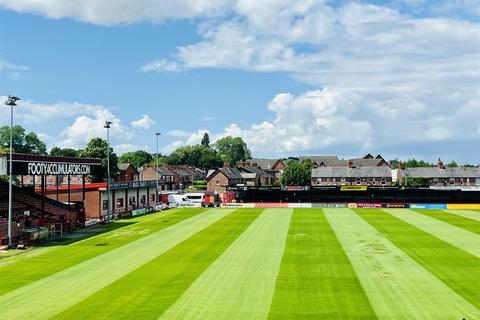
<point>359,181</point>
<point>152,197</point>
<point>384,180</point>
<point>120,203</point>
<point>144,199</point>
<point>105,205</point>
<point>319,180</point>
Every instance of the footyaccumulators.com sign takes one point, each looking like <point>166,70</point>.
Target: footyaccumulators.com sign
<point>46,168</point>
<point>35,168</point>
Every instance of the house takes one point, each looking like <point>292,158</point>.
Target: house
<point>164,175</point>
<point>333,161</point>
<point>351,176</point>
<point>183,176</point>
<point>442,177</point>
<point>127,172</point>
<point>220,179</point>
<point>273,167</point>
<point>262,178</point>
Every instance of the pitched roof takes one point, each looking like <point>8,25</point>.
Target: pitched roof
<point>249,175</point>
<point>435,172</point>
<point>230,173</point>
<point>333,161</point>
<point>164,171</point>
<point>255,170</point>
<point>123,166</point>
<point>265,164</point>
<point>346,172</point>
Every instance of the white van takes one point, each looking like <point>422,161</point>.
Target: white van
<point>195,197</point>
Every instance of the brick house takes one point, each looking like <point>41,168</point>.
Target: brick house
<point>351,176</point>
<point>333,161</point>
<point>273,167</point>
<point>443,177</point>
<point>220,179</point>
<point>164,175</point>
<point>127,172</point>
<point>255,176</point>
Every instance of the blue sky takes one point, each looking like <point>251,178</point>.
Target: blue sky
<point>399,78</point>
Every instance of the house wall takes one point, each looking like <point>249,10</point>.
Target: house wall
<point>217,183</point>
<point>361,181</point>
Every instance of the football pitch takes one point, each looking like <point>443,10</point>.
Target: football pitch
<point>256,264</point>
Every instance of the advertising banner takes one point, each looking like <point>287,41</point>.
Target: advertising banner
<point>352,205</point>
<point>464,206</point>
<point>329,205</point>
<point>238,205</point>
<point>299,205</point>
<point>396,205</point>
<point>271,205</point>
<point>353,188</point>
<point>438,206</point>
<point>368,205</point>
<point>138,211</point>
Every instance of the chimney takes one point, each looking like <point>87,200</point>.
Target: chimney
<point>226,165</point>
<point>350,163</point>
<point>440,164</point>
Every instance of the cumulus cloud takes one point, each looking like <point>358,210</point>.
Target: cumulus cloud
<point>386,72</point>
<point>143,123</point>
<point>127,147</point>
<point>110,12</point>
<point>86,127</point>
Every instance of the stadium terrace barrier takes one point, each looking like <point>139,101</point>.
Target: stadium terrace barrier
<point>433,206</point>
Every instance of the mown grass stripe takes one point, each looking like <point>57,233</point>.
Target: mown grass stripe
<point>151,289</point>
<point>24,269</point>
<point>469,214</point>
<point>240,283</point>
<point>397,286</point>
<point>452,219</point>
<point>316,279</point>
<point>456,268</point>
<point>458,237</point>
<point>52,295</point>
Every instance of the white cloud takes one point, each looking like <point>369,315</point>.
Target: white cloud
<point>6,65</point>
<point>143,123</point>
<point>392,78</point>
<point>178,133</point>
<point>110,12</point>
<point>86,127</point>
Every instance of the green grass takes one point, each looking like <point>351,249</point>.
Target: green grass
<point>24,269</point>
<point>241,282</point>
<point>155,286</point>
<point>456,220</point>
<point>68,287</point>
<point>316,279</point>
<point>458,237</point>
<point>254,264</point>
<point>456,268</point>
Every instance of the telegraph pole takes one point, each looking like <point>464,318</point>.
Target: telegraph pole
<point>107,126</point>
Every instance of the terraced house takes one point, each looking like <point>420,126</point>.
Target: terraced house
<point>351,176</point>
<point>441,177</point>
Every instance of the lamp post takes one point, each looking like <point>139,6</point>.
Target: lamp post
<point>11,101</point>
<point>156,196</point>
<point>107,126</point>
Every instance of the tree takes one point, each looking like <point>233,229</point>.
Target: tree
<point>297,173</point>
<point>199,156</point>
<point>97,148</point>
<point>136,158</point>
<point>232,150</point>
<point>452,164</point>
<point>64,152</point>
<point>21,142</point>
<point>205,140</point>
<point>412,163</point>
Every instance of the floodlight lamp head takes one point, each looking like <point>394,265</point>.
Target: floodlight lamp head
<point>107,124</point>
<point>158,134</point>
<point>11,101</point>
